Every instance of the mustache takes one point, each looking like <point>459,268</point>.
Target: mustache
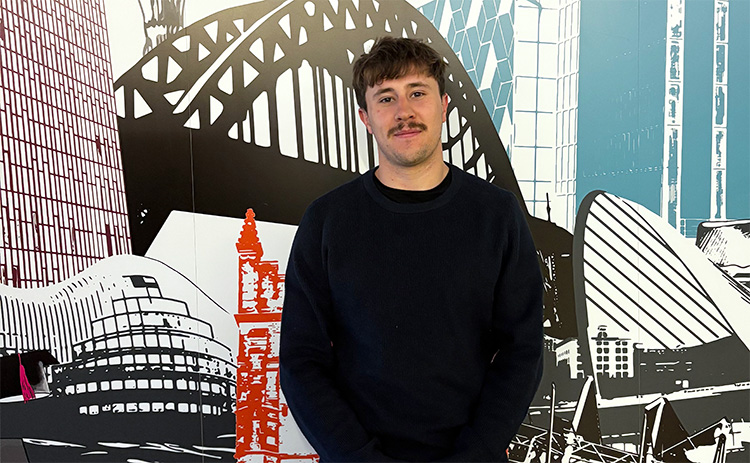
<point>410,125</point>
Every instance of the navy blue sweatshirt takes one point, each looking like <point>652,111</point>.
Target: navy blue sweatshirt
<point>412,332</point>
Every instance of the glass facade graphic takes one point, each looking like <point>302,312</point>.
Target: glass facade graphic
<point>481,35</point>
<point>532,98</point>
<point>545,113</point>
<point>650,107</point>
<point>62,200</point>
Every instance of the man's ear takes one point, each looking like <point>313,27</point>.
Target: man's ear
<point>365,119</point>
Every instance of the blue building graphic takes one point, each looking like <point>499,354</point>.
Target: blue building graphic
<point>629,68</point>
<point>522,55</point>
<point>481,35</point>
<point>645,99</point>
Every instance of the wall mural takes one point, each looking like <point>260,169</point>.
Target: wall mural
<point>151,181</point>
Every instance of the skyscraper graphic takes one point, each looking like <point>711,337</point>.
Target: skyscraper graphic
<point>655,125</point>
<point>719,120</point>
<point>736,159</point>
<point>671,179</point>
<point>621,117</point>
<point>62,200</point>
<point>522,55</point>
<point>259,319</point>
<point>481,35</point>
<point>545,111</point>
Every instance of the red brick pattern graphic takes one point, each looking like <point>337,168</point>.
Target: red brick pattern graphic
<point>259,408</point>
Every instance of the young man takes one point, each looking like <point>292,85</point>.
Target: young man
<point>412,322</point>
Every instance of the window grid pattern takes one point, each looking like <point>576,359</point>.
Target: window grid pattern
<point>62,199</point>
<point>481,35</point>
<point>545,112</point>
<point>566,117</point>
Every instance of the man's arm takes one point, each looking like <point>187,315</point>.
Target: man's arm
<point>307,360</point>
<point>516,370</point>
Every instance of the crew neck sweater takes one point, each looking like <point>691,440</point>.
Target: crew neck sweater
<point>412,331</point>
<point>413,196</point>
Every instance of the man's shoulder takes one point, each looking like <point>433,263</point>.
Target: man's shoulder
<point>337,201</point>
<point>481,189</point>
<point>341,194</point>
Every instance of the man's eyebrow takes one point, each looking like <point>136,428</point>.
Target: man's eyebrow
<point>382,90</point>
<point>418,83</point>
<point>409,85</point>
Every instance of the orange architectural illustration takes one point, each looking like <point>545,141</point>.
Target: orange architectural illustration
<point>259,408</point>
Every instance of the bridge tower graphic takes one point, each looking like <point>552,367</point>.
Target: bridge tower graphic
<point>259,407</point>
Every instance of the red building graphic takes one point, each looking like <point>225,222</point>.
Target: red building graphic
<point>62,197</point>
<point>259,408</point>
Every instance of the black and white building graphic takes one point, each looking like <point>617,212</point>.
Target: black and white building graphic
<point>658,320</point>
<point>727,244</point>
<point>138,364</point>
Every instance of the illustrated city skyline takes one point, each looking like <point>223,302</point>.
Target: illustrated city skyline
<point>78,194</point>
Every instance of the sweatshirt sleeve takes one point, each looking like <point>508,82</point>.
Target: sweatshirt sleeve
<point>307,361</point>
<point>516,369</point>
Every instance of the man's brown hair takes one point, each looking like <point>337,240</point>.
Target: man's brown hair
<point>391,58</point>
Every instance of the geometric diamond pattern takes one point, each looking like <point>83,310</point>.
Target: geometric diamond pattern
<point>481,35</point>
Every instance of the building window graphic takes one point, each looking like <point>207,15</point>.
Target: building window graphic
<point>719,120</point>
<point>613,357</point>
<point>62,200</point>
<point>545,109</point>
<point>568,352</point>
<point>481,35</point>
<point>671,183</point>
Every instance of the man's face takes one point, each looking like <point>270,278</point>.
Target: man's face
<point>405,115</point>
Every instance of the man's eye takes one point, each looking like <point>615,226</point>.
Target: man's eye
<point>417,94</point>
<point>386,99</point>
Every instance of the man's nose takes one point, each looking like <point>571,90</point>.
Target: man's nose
<point>405,110</point>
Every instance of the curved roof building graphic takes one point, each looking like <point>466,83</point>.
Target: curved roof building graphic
<point>253,107</point>
<point>84,311</point>
<point>638,277</point>
<point>143,354</point>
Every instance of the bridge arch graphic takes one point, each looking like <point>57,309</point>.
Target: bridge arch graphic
<point>253,107</point>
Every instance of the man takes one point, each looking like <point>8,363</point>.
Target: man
<point>412,321</point>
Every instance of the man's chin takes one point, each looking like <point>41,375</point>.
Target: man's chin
<point>406,162</point>
<point>411,159</point>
